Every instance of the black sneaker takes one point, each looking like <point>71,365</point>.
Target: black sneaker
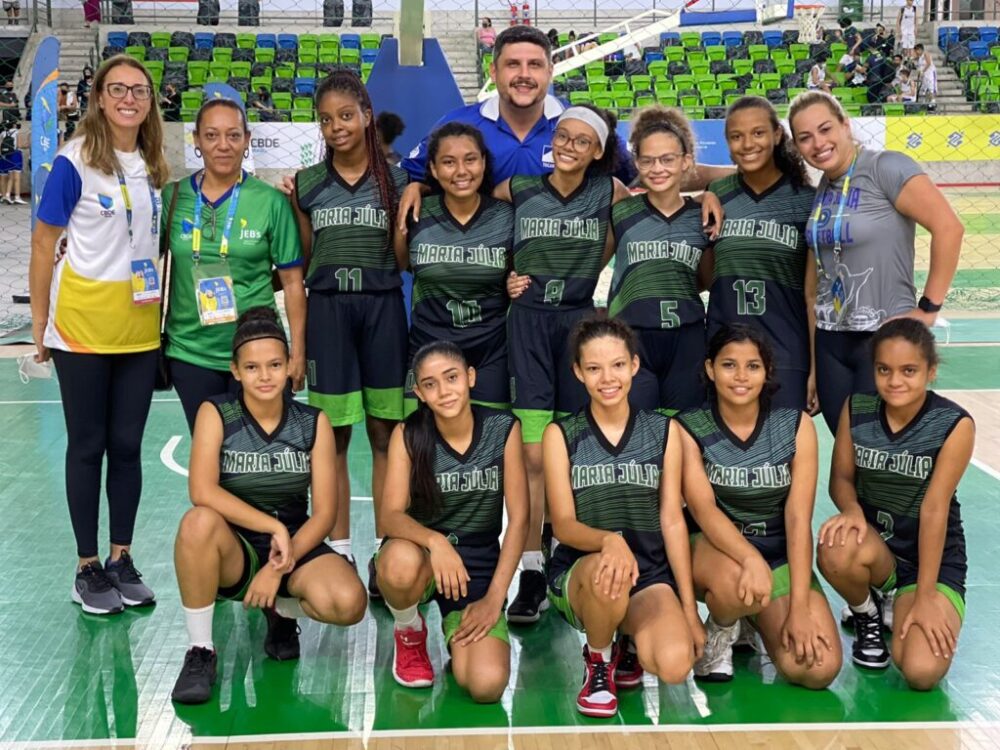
<point>194,684</point>
<point>128,581</point>
<point>628,671</point>
<point>373,592</point>
<point>869,649</point>
<point>282,640</point>
<point>95,592</point>
<point>530,601</point>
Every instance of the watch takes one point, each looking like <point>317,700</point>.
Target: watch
<point>927,306</point>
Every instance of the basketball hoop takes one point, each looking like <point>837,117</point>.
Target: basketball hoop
<point>807,16</point>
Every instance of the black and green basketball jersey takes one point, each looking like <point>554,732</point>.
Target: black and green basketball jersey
<point>352,247</point>
<point>894,469</point>
<point>559,241</point>
<point>459,271</point>
<point>760,265</point>
<point>272,472</point>
<point>617,488</point>
<point>471,484</point>
<point>751,478</point>
<point>655,284</point>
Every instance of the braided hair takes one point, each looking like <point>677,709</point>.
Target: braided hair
<point>347,82</point>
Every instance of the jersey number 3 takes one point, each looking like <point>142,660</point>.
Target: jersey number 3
<point>750,298</point>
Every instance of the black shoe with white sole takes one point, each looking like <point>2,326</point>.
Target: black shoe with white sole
<point>869,649</point>
<point>95,592</point>
<point>531,599</point>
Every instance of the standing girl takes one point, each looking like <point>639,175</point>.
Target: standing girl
<point>862,232</point>
<point>906,27</point>
<point>762,272</point>
<point>613,480</point>
<point>661,245</point>
<point>95,311</point>
<point>256,458</point>
<point>897,461</point>
<point>453,467</point>
<point>356,325</point>
<point>750,484</point>
<point>561,243</point>
<point>460,252</point>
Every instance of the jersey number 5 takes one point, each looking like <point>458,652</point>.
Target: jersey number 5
<point>750,297</point>
<point>668,314</point>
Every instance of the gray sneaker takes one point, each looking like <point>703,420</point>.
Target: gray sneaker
<point>94,591</point>
<point>128,581</point>
<point>716,663</point>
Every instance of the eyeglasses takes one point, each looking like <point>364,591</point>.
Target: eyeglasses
<point>140,91</point>
<point>580,143</point>
<point>208,228</point>
<point>668,161</point>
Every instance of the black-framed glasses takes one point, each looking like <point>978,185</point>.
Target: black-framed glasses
<point>140,91</point>
<point>581,143</point>
<point>208,228</point>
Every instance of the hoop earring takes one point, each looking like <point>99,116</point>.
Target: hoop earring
<point>246,153</point>
<point>197,152</point>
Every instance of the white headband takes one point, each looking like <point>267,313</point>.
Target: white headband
<point>590,117</point>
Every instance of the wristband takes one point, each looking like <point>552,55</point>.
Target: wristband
<point>927,306</point>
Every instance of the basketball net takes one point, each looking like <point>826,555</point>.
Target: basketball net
<point>807,17</point>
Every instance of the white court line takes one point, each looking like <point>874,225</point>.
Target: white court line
<point>986,468</point>
<point>868,726</point>
<point>59,401</point>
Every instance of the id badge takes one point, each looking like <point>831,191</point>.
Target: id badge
<point>145,282</point>
<point>213,290</point>
<point>839,291</point>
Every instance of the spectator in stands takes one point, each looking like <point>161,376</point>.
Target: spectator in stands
<point>486,36</point>
<point>906,26</point>
<point>11,163</point>
<point>852,37</point>
<point>91,12</point>
<point>263,102</point>
<point>906,89</point>
<point>390,126</point>
<point>83,88</point>
<point>571,37</point>
<point>170,103</point>
<point>8,103</point>
<point>96,314</point>
<point>926,77</point>
<point>27,103</point>
<point>853,66</point>
<point>68,107</point>
<point>881,42</point>
<point>265,235</point>
<point>13,8</point>
<point>817,74</point>
<point>865,245</point>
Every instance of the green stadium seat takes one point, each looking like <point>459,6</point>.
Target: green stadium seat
<point>732,98</point>
<point>664,85</point>
<point>246,41</point>
<point>990,66</point>
<point>758,52</point>
<point>837,51</point>
<point>769,80</point>
<point>995,51</point>
<point>308,41</point>
<point>160,39</point>
<point>136,52</point>
<point>253,114</point>
<point>218,69</point>
<point>641,83</point>
<point>308,56</point>
<point>302,102</point>
<point>843,93</point>
<point>154,66</point>
<point>608,36</point>
<point>711,97</point>
<point>178,54</point>
<point>725,80</point>
<point>350,56</point>
<point>264,55</point>
<point>604,100</point>
<point>657,68</point>
<point>700,68</point>
<point>303,115</point>
<point>217,79</point>
<point>563,39</point>
<point>371,41</point>
<point>258,81</point>
<point>668,98</point>
<point>684,81</point>
<point>282,100</point>
<point>597,84</point>
<point>239,70</point>
<point>579,97</point>
<point>860,94</point>
<point>780,53</point>
<point>620,84</point>
<point>893,109</point>
<point>694,113</point>
<point>782,110</point>
<point>715,52</point>
<point>191,98</point>
<point>705,79</point>
<point>284,70</point>
<point>799,51</point>
<point>674,54</point>
<point>784,67</point>
<point>366,71</point>
<point>853,110</point>
<point>329,55</point>
<point>690,98</point>
<point>696,56</point>
<point>794,92</point>
<point>756,91</point>
<point>691,39</point>
<point>222,54</point>
<point>644,100</point>
<point>743,67</point>
<point>305,71</point>
<point>197,72</point>
<point>595,67</point>
<point>189,115</point>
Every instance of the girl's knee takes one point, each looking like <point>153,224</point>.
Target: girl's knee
<point>671,662</point>
<point>340,605</point>
<point>486,683</point>
<point>924,672</point>
<point>198,526</point>
<point>816,677</point>
<point>399,565</point>
<point>837,560</point>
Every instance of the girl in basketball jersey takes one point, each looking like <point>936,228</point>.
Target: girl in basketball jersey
<point>453,468</point>
<point>561,243</point>
<point>897,461</point>
<point>355,324</point>
<point>256,458</point>
<point>762,273</point>
<point>622,564</point>
<point>459,252</point>
<point>750,483</point>
<point>661,245</point>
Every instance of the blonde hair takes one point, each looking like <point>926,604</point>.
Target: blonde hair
<point>658,119</point>
<point>98,144</point>
<point>808,98</point>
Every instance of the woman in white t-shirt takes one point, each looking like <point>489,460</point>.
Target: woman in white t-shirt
<point>95,311</point>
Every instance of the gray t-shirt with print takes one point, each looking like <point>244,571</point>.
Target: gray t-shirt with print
<point>877,244</point>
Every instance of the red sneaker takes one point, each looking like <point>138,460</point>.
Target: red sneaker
<point>628,672</point>
<point>411,666</point>
<point>598,697</point>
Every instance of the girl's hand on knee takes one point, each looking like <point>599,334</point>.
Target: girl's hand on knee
<point>281,551</point>
<point>802,635</point>
<point>838,529</point>
<point>450,575</point>
<point>477,619</point>
<point>617,567</point>
<point>754,584</point>
<point>263,588</point>
<point>929,614</point>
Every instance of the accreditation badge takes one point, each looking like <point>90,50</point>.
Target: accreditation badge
<point>145,280</point>
<point>213,290</point>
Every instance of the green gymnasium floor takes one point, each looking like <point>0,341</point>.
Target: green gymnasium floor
<point>67,678</point>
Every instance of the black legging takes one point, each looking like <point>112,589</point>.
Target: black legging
<point>106,401</point>
<point>195,385</point>
<point>843,366</point>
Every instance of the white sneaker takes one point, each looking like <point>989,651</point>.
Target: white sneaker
<point>888,600</point>
<point>18,200</point>
<point>716,664</point>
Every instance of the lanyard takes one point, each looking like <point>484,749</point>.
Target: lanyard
<point>127,199</point>
<point>199,204</point>
<point>837,220</point>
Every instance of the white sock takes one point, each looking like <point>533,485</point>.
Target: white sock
<point>289,607</point>
<point>723,627</point>
<point>532,561</point>
<point>407,618</point>
<point>604,652</point>
<point>341,546</point>
<point>867,607</point>
<point>199,626</point>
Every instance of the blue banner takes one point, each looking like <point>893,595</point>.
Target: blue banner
<point>44,117</point>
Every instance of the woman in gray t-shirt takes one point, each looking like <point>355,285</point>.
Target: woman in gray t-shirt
<point>861,231</point>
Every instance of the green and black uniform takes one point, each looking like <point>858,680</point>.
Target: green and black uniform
<point>615,488</point>
<point>470,513</point>
<point>263,235</point>
<point>759,275</point>
<point>356,326</point>
<point>558,241</point>
<point>751,478</point>
<point>269,472</point>
<point>892,473</point>
<point>459,290</point>
<point>655,291</point>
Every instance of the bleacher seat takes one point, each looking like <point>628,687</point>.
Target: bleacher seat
<point>117,39</point>
<point>670,39</point>
<point>204,40</point>
<point>369,55</point>
<point>305,86</point>
<point>988,34</point>
<point>711,38</point>
<point>225,40</point>
<point>947,35</point>
<point>267,41</point>
<point>773,38</point>
<point>288,42</point>
<point>350,41</point>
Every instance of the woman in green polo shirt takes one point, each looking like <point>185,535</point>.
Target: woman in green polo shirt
<point>227,230</point>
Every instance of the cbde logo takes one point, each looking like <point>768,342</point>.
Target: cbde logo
<point>107,205</point>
